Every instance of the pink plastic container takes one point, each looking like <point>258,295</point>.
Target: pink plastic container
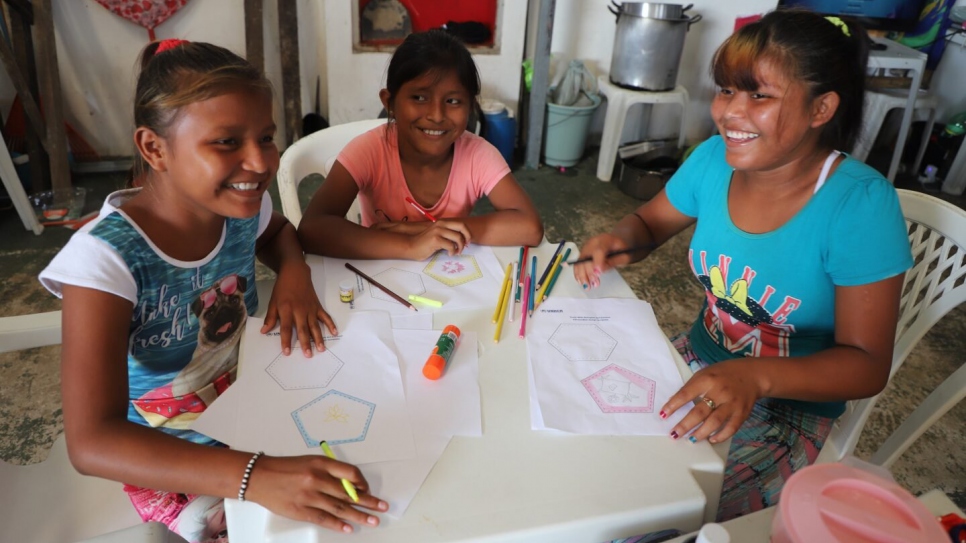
<point>835,503</point>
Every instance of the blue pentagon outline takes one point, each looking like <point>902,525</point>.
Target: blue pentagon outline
<point>313,443</point>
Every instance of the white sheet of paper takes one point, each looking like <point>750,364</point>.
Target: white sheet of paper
<point>351,395</point>
<point>600,367</point>
<point>438,410</point>
<point>468,281</point>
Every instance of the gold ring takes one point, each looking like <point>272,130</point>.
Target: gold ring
<point>710,403</point>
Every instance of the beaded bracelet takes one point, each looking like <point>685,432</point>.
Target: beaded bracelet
<point>248,473</point>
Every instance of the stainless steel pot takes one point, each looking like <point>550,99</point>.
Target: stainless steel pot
<point>648,44</point>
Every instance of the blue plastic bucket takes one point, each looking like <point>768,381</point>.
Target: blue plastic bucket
<point>566,134</point>
<point>501,131</point>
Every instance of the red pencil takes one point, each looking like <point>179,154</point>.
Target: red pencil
<point>420,209</point>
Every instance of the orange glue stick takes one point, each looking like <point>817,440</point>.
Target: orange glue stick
<point>442,352</point>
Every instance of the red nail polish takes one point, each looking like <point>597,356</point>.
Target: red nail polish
<point>674,435</point>
<point>663,415</point>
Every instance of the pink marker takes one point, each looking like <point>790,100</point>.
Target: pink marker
<point>526,297</point>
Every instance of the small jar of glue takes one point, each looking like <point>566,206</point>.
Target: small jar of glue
<point>346,290</point>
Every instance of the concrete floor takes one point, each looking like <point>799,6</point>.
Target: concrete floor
<point>574,205</point>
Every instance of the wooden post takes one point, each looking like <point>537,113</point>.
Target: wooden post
<point>540,84</point>
<point>288,32</point>
<point>254,35</point>
<point>20,35</point>
<point>49,78</point>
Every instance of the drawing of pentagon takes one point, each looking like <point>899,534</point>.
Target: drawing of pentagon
<point>453,270</point>
<point>620,390</point>
<point>401,282</point>
<point>296,373</point>
<point>335,417</point>
<point>582,342</point>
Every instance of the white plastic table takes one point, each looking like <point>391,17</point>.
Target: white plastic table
<point>514,484</point>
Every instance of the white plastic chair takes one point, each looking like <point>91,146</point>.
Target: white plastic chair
<point>878,103</point>
<point>315,153</point>
<point>933,287</point>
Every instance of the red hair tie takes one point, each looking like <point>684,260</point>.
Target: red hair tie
<point>168,44</point>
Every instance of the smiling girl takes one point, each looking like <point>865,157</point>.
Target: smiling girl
<point>800,248</point>
<point>156,292</point>
<point>425,154</point>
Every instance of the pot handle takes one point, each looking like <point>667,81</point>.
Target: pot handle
<point>693,20</point>
<point>687,7</point>
<point>617,13</point>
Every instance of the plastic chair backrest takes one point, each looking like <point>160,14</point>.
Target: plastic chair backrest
<point>314,153</point>
<point>933,287</point>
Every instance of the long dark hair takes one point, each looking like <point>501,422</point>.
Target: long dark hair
<point>826,56</point>
<point>434,51</point>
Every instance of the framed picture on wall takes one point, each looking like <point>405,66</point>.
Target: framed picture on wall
<point>381,25</point>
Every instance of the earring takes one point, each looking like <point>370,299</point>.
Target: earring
<point>392,119</point>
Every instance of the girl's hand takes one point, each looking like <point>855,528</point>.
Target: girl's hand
<point>450,235</point>
<point>588,273</point>
<point>309,488</point>
<point>731,387</point>
<point>294,303</point>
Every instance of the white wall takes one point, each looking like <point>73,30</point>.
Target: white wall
<point>584,29</point>
<point>355,78</point>
<point>97,54</point>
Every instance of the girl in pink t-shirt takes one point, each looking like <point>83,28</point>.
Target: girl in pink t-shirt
<point>418,177</point>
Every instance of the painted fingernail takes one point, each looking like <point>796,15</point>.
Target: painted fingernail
<point>674,435</point>
<point>663,414</point>
<point>596,271</point>
<point>692,439</point>
<point>584,285</point>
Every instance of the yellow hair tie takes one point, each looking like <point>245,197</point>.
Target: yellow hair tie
<point>839,23</point>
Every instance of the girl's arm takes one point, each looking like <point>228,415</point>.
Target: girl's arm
<point>515,221</point>
<point>324,229</point>
<point>650,225</point>
<point>294,302</point>
<point>102,442</point>
<point>857,367</point>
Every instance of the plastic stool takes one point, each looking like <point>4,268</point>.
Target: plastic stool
<point>619,101</point>
<point>878,104</point>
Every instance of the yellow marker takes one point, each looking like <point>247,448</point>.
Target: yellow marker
<point>349,489</point>
<point>425,301</point>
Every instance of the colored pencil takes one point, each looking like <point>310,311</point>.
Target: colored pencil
<point>553,278</point>
<point>378,285</point>
<point>420,209</point>
<point>550,264</point>
<point>533,279</point>
<point>553,271</point>
<point>499,322</point>
<point>523,315</point>
<point>615,253</point>
<point>513,301</point>
<point>505,287</point>
<point>519,276</point>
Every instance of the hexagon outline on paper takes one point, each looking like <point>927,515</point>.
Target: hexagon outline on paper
<point>402,282</point>
<point>583,342</point>
<point>306,416</point>
<point>453,270</point>
<point>296,373</point>
<point>613,389</point>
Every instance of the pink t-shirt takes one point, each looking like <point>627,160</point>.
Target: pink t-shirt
<point>372,160</point>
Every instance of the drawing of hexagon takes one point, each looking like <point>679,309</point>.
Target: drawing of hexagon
<point>619,390</point>
<point>583,342</point>
<point>401,282</point>
<point>335,417</point>
<point>453,270</point>
<point>296,373</point>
